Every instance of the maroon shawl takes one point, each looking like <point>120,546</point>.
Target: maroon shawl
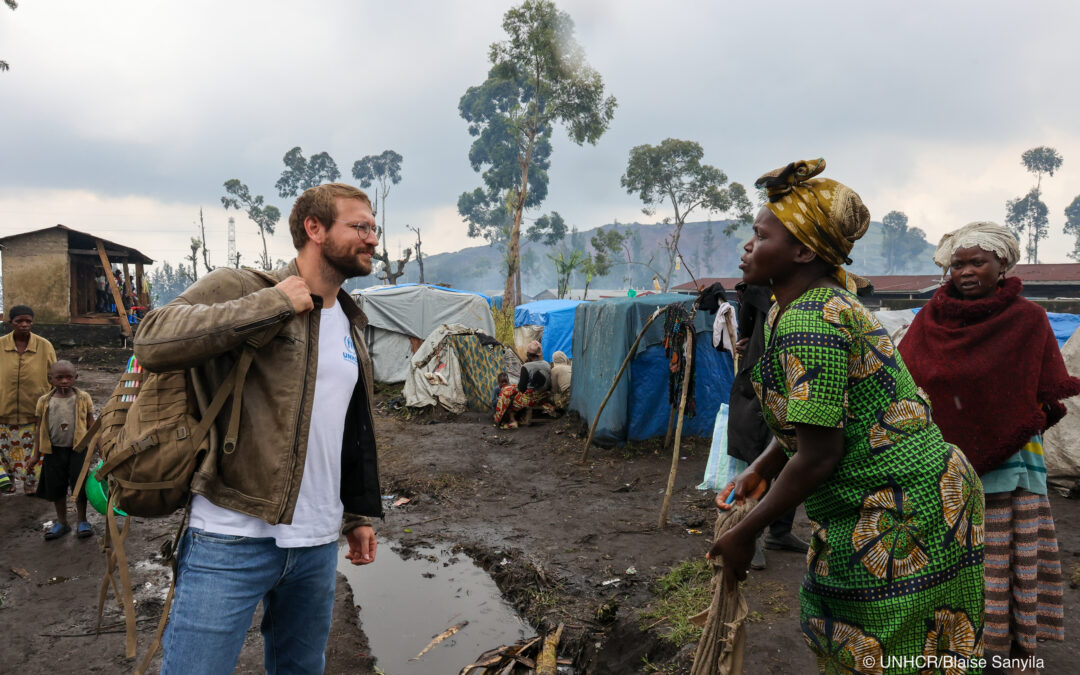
<point>992,369</point>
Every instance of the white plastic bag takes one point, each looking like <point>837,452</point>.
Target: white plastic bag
<point>721,468</point>
<point>716,467</point>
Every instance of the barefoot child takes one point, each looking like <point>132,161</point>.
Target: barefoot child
<point>65,413</point>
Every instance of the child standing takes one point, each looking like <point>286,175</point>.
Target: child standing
<point>65,413</point>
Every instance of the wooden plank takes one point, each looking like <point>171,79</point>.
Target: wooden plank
<point>95,320</point>
<point>73,291</point>
<point>117,298</point>
<point>140,281</point>
<point>93,252</point>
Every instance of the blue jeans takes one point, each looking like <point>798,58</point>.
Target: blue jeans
<point>220,581</point>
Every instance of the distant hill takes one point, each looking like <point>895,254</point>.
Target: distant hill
<point>481,268</point>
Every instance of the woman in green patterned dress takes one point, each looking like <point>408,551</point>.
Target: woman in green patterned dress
<point>894,580</point>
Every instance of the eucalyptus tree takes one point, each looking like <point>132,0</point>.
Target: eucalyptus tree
<point>301,173</point>
<point>383,171</point>
<point>1029,215</point>
<point>1072,226</point>
<point>538,79</point>
<point>265,216</point>
<point>671,173</point>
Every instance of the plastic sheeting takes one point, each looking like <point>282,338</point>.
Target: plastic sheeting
<point>435,372</point>
<point>1061,442</point>
<point>397,313</point>
<point>638,409</point>
<point>1063,325</point>
<point>557,318</point>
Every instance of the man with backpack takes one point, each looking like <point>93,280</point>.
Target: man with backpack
<point>299,465</point>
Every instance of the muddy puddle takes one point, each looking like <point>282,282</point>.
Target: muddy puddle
<point>407,602</point>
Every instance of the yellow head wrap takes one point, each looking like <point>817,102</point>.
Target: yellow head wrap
<point>827,216</point>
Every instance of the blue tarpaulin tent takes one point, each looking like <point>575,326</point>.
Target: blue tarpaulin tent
<point>557,318</point>
<point>638,409</point>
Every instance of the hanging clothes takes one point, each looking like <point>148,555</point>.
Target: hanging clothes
<point>678,342</point>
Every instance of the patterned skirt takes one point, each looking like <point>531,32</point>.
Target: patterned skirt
<point>1023,572</point>
<point>16,446</point>
<point>511,401</point>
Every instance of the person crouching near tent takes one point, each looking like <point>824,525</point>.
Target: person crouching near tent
<point>895,564</point>
<point>561,372</point>
<point>533,391</point>
<point>995,376</point>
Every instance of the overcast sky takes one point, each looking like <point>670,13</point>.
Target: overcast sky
<point>123,118</point>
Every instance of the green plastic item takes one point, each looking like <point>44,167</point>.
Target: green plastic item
<point>97,492</point>
<point>631,293</point>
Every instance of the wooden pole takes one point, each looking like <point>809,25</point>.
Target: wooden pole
<point>117,298</point>
<point>689,347</point>
<point>140,280</point>
<point>629,354</point>
<point>670,427</point>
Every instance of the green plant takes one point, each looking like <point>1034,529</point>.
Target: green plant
<point>504,325</point>
<point>682,592</point>
<point>650,667</point>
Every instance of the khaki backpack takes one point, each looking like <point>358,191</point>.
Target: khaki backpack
<point>152,438</point>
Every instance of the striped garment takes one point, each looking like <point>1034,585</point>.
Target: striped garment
<point>1026,470</point>
<point>1023,573</point>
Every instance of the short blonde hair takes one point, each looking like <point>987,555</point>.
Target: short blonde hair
<point>318,203</point>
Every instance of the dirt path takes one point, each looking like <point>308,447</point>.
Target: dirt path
<point>553,531</point>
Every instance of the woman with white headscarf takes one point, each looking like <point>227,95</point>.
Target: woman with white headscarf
<point>990,363</point>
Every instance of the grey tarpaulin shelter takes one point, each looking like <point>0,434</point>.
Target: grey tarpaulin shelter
<point>401,317</point>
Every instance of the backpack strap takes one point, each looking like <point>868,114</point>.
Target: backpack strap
<point>170,555</point>
<point>81,447</point>
<point>116,559</point>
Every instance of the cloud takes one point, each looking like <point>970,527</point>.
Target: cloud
<point>145,109</point>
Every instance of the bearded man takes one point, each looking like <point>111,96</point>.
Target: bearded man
<point>267,510</point>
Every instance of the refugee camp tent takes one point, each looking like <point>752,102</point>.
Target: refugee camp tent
<point>401,317</point>
<point>456,367</point>
<point>1061,442</point>
<point>550,321</point>
<point>638,408</point>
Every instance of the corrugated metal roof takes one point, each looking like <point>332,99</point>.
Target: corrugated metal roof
<point>1045,273</point>
<point>135,254</point>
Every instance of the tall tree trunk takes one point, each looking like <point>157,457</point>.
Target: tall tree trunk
<point>419,255</point>
<point>674,254</point>
<point>513,254</point>
<point>266,255</point>
<point>205,252</point>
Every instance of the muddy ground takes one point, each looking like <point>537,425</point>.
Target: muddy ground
<point>549,529</point>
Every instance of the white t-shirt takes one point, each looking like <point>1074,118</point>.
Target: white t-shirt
<point>317,518</point>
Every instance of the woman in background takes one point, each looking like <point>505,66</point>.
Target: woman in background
<point>991,365</point>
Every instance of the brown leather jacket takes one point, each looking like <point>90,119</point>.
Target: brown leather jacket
<point>203,331</point>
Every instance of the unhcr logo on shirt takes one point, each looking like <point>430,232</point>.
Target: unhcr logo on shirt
<point>350,351</point>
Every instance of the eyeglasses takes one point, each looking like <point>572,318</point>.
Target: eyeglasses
<point>362,229</point>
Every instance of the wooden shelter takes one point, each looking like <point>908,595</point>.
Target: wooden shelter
<point>55,271</point>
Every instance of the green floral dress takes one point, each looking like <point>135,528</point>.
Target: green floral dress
<point>895,566</point>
